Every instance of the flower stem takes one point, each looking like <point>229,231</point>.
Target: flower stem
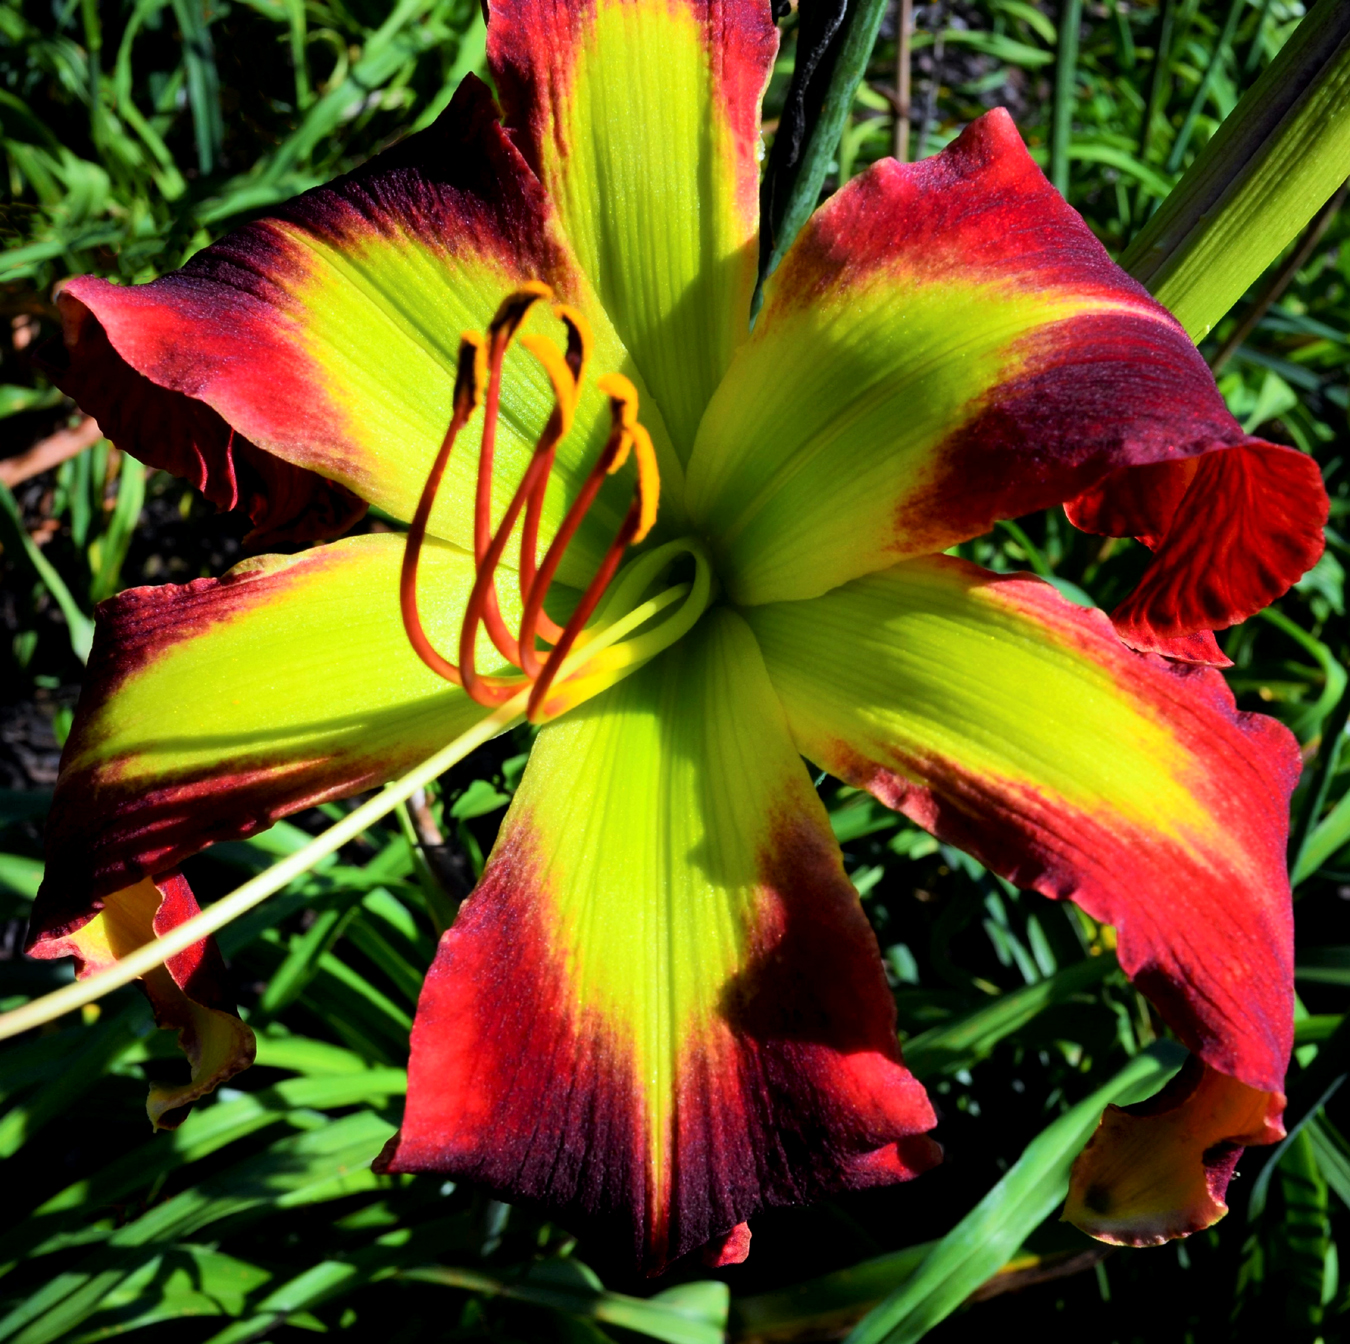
<point>256,890</point>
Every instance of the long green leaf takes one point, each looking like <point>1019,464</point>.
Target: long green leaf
<point>824,1306</point>
<point>792,187</point>
<point>677,1317</point>
<point>80,1070</point>
<point>1324,965</point>
<point>203,82</point>
<point>61,1221</point>
<point>1218,56</point>
<point>1333,1155</point>
<point>1066,82</point>
<point>1280,154</point>
<point>183,1281</point>
<point>1306,1236</point>
<point>116,539</point>
<point>322,1164</point>
<point>387,49</point>
<point>1308,1092</point>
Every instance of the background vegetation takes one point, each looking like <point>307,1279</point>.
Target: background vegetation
<point>134,131</point>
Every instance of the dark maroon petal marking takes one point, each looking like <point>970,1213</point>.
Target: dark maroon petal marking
<point>805,1093</point>
<point>1096,391</point>
<point>1219,968</point>
<point>109,827</point>
<point>531,45</point>
<point>1060,370</point>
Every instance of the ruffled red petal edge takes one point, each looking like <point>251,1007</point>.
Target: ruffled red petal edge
<point>1232,530</point>
<point>170,430</point>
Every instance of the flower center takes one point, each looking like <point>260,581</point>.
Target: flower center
<point>580,659</point>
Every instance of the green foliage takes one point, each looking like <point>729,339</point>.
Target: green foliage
<point>133,133</point>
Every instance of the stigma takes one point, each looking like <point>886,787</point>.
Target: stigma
<point>539,648</point>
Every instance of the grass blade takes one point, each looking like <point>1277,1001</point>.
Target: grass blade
<point>1222,49</point>
<point>682,1318</point>
<point>959,1044</point>
<point>823,1307</point>
<point>17,542</point>
<point>1066,79</point>
<point>203,82</point>
<point>116,540</point>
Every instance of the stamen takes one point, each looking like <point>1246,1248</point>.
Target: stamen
<point>469,378</point>
<point>563,374</point>
<point>649,481</point>
<point>582,659</point>
<point>624,395</point>
<point>619,437</point>
<point>577,357</point>
<point>511,312</point>
<point>590,598</point>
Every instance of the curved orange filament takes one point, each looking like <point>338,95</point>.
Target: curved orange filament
<point>590,599</point>
<point>484,591</point>
<point>545,627</point>
<point>468,390</point>
<point>511,312</point>
<point>478,380</point>
<point>534,603</point>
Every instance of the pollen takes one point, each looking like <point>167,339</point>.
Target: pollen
<point>539,646</point>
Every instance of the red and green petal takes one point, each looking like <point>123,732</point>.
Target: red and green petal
<point>1016,725</point>
<point>944,345</point>
<point>1160,1169</point>
<point>1233,531</point>
<point>642,119</point>
<point>663,1005</point>
<point>327,334</point>
<point>168,429</point>
<point>212,708</point>
<point>189,993</point>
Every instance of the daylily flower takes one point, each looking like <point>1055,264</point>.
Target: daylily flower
<point>663,1007</point>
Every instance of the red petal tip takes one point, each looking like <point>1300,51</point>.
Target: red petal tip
<point>731,1249</point>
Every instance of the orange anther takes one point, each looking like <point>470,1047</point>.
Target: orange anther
<point>578,339</point>
<point>649,481</point>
